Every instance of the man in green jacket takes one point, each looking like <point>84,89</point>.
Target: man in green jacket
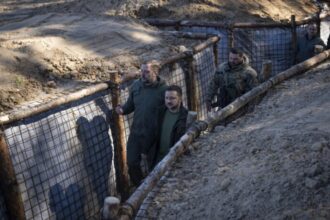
<point>307,42</point>
<point>172,122</point>
<point>146,95</point>
<point>231,80</point>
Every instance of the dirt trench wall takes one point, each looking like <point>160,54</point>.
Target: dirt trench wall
<point>63,159</point>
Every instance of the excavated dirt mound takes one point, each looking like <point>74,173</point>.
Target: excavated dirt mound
<point>50,53</point>
<point>47,47</point>
<point>270,164</point>
<point>237,10</point>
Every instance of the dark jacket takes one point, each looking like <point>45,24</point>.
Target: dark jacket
<point>178,130</point>
<point>144,101</point>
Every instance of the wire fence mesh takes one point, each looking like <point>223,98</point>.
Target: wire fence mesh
<point>259,44</point>
<point>63,160</point>
<point>205,70</point>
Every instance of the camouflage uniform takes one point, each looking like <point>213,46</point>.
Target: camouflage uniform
<point>228,82</point>
<point>305,47</point>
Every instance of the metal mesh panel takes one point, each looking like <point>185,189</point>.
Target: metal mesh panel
<point>222,45</point>
<point>262,44</point>
<point>3,209</point>
<point>63,160</point>
<point>205,71</point>
<point>174,73</point>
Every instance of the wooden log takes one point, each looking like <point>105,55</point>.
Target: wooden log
<point>191,35</point>
<point>175,58</point>
<point>196,49</point>
<point>120,146</point>
<point>15,116</point>
<point>133,203</point>
<point>225,25</point>
<point>9,184</point>
<point>211,41</point>
<point>162,22</point>
<point>190,77</point>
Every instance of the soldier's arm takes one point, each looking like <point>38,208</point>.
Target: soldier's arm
<point>214,85</point>
<point>128,107</point>
<point>251,80</point>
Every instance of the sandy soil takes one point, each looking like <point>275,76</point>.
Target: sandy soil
<point>52,52</point>
<point>47,47</point>
<point>270,164</point>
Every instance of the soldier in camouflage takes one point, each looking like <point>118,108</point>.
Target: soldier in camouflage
<point>231,80</point>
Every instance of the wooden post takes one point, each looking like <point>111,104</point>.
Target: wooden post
<point>266,71</point>
<point>9,184</point>
<point>294,38</point>
<point>190,78</point>
<point>120,142</point>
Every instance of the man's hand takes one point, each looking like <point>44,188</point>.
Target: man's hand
<point>119,110</point>
<point>144,165</point>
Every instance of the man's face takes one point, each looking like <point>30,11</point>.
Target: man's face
<point>235,59</point>
<point>172,100</point>
<point>312,30</point>
<point>148,76</point>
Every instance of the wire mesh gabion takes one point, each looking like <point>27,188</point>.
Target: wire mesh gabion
<point>205,71</point>
<point>63,159</point>
<point>274,44</point>
<point>174,74</point>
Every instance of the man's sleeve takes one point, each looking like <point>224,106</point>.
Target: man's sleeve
<point>128,107</point>
<point>251,80</point>
<point>213,87</point>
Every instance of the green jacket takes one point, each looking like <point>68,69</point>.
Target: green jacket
<point>228,82</point>
<point>305,47</point>
<point>144,101</point>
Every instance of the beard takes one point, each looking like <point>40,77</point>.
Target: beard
<point>173,108</point>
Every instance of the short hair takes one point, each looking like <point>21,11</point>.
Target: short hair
<point>154,65</point>
<point>175,88</point>
<point>236,51</point>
